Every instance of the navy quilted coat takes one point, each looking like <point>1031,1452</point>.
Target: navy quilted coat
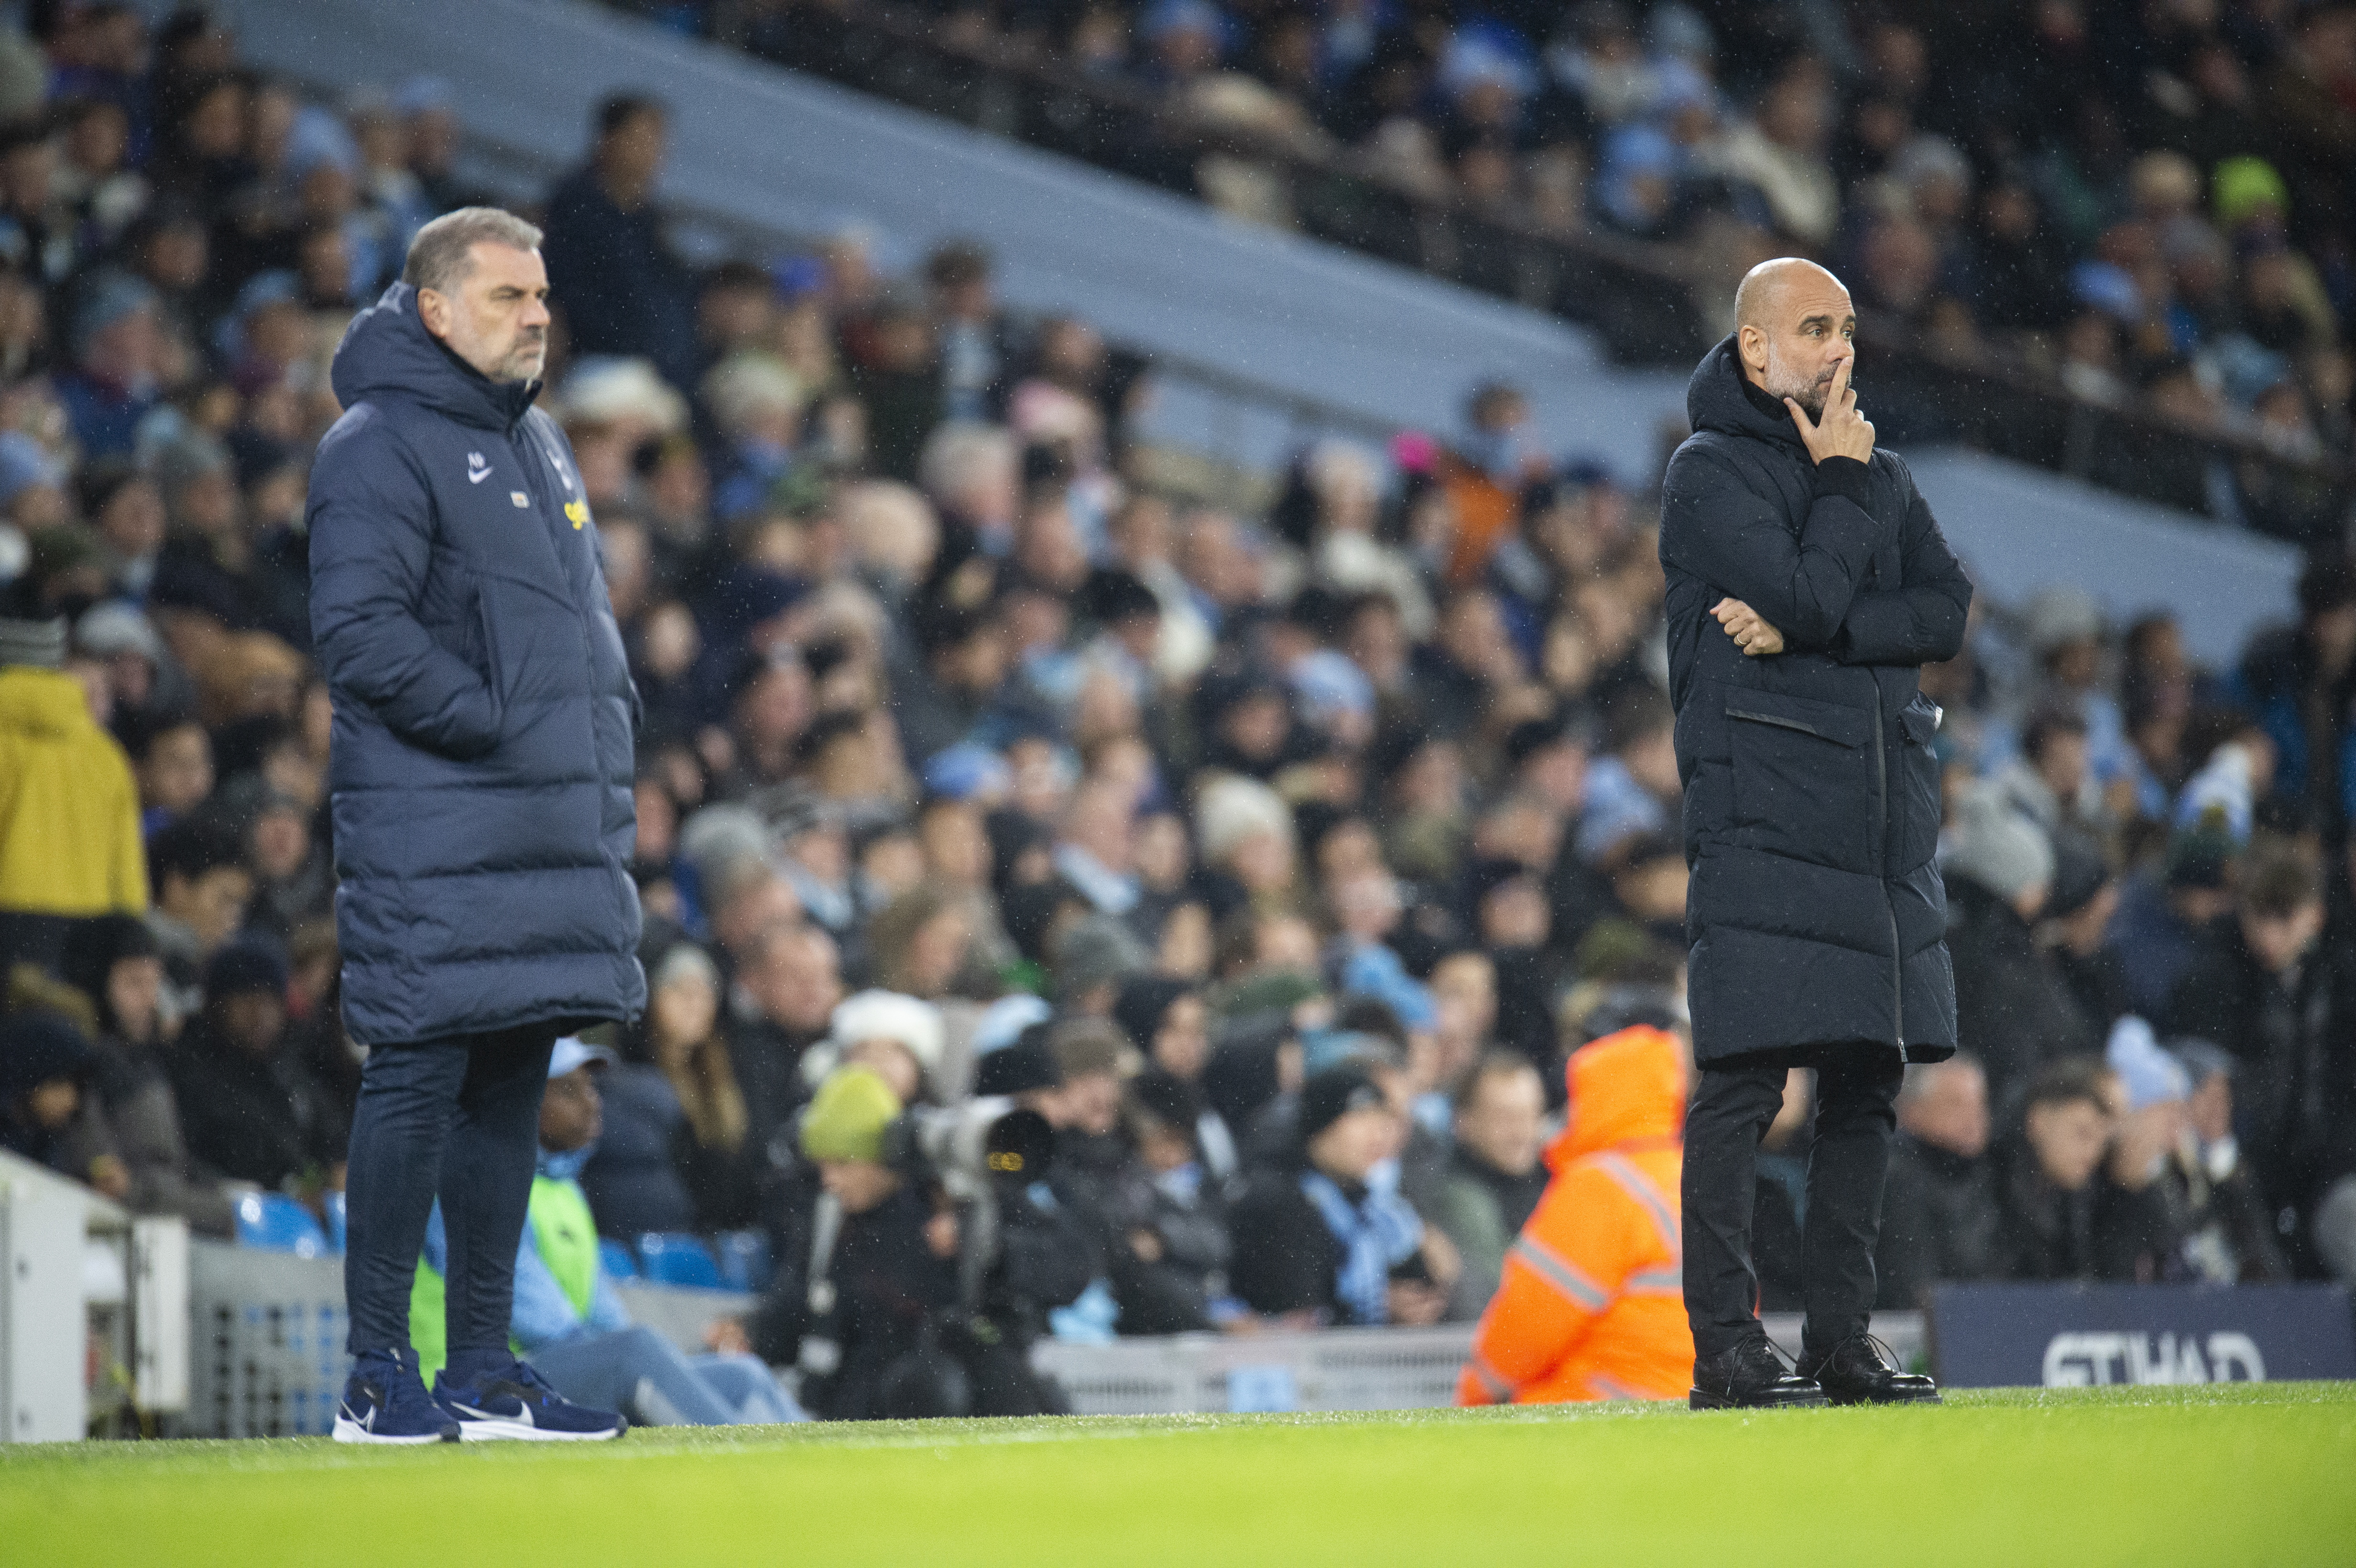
<point>1815,915</point>
<point>482,758</point>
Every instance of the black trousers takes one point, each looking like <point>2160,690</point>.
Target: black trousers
<point>1732,1106</point>
<point>459,1117</point>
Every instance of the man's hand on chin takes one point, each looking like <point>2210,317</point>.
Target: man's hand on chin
<point>1754,636</point>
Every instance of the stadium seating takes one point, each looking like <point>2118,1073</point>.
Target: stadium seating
<point>276,1223</point>
<point>674,1257</point>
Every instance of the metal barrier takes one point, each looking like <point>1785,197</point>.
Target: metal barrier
<point>267,1357</point>
<point>1332,1368</point>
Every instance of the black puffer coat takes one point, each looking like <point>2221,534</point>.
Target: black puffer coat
<point>1815,915</point>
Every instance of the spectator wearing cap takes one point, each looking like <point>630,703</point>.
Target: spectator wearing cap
<point>114,961</point>
<point>2013,1010</point>
<point>566,1316</point>
<point>140,677</point>
<point>1939,1216</point>
<point>251,1109</point>
<point>117,357</point>
<point>862,1262</point>
<point>1327,1238</point>
<point>624,290</point>
<point>70,839</point>
<point>2138,1227</point>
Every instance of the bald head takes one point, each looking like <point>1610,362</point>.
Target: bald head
<point>1764,286</point>
<point>1794,326</point>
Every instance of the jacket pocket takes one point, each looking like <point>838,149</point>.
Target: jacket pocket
<point>1915,783</point>
<point>1804,779</point>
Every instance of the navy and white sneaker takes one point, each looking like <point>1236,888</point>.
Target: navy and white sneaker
<point>385,1401</point>
<point>517,1403</point>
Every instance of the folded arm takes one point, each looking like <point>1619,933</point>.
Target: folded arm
<point>1716,528</point>
<point>1921,620</point>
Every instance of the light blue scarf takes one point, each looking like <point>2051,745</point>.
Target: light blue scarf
<point>1377,1235</point>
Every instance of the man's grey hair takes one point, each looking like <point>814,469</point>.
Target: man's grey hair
<point>444,252</point>
<point>1922,1077</point>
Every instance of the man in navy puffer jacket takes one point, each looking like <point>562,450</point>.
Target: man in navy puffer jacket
<point>1807,585</point>
<point>481,775</point>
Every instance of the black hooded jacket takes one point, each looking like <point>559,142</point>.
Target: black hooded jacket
<point>1816,915</point>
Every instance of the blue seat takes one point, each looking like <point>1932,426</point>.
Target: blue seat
<point>616,1257</point>
<point>676,1257</point>
<point>744,1263</point>
<point>274,1222</point>
<point>338,1225</point>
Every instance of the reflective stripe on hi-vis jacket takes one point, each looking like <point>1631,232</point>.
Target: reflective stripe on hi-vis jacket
<point>1591,1305</point>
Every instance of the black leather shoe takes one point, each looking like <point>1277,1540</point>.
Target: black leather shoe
<point>1752,1376</point>
<point>1858,1373</point>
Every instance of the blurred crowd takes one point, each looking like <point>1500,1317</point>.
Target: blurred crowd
<point>1270,862</point>
<point>2147,204</point>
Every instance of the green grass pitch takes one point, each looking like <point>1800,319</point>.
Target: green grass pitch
<point>2216,1474</point>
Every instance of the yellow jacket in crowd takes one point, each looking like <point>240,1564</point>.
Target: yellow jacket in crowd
<point>68,810</point>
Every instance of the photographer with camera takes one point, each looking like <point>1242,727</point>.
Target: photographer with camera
<point>916,1266</point>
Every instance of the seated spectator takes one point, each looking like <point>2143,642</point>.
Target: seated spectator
<point>2251,989</point>
<point>2013,1010</point>
<point>2229,1234</point>
<point>1493,1175</point>
<point>897,1037</point>
<point>48,1114</point>
<point>1168,1023</point>
<point>2045,1173</point>
<point>1183,1213</point>
<point>252,1111</point>
<point>676,1157</point>
<point>1938,1211</point>
<point>1592,1304</point>
<point>202,887</point>
<point>566,1317</point>
<point>788,987</point>
<point>2137,1228</point>
<point>116,963</point>
<point>1328,1239</point>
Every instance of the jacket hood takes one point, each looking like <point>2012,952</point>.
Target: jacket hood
<point>1624,1087</point>
<point>43,704</point>
<point>388,353</point>
<point>1717,399</point>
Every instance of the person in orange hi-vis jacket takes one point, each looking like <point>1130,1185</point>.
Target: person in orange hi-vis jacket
<point>1591,1305</point>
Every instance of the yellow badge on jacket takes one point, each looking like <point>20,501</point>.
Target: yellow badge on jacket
<point>578,511</point>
